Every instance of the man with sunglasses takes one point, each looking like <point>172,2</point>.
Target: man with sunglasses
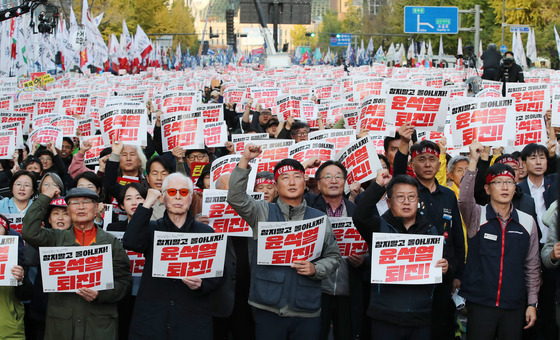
<point>502,273</point>
<point>167,308</point>
<point>286,300</point>
<point>397,311</point>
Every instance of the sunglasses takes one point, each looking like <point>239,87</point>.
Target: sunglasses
<point>173,192</point>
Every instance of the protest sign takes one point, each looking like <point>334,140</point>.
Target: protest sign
<point>222,216</point>
<point>73,104</point>
<point>180,255</point>
<point>406,259</point>
<point>67,124</point>
<point>211,113</point>
<point>67,269</point>
<point>234,95</point>
<point>488,120</point>
<point>288,105</point>
<point>491,84</point>
<point>372,114</point>
<point>8,259</point>
<point>349,240</point>
<point>215,134</point>
<point>529,97</point>
<point>360,160</point>
<point>91,156</point>
<point>44,120</point>
<point>6,103</point>
<point>137,260</point>
<point>45,135</point>
<point>87,127</point>
<point>225,165</point>
<point>196,171</point>
<point>45,105</point>
<point>273,151</point>
<point>17,116</point>
<point>425,108</point>
<point>555,117</point>
<point>304,150</point>
<point>282,243</point>
<point>182,129</point>
<point>16,127</point>
<point>264,96</point>
<point>240,140</point>
<point>7,144</point>
<point>488,93</point>
<point>530,128</point>
<point>126,124</point>
<point>16,221</point>
<point>340,138</point>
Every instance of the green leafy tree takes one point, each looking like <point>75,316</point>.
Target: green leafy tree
<point>177,20</point>
<point>298,37</point>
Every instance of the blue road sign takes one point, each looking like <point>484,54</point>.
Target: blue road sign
<point>341,39</point>
<point>520,29</point>
<point>428,19</point>
<point>503,48</point>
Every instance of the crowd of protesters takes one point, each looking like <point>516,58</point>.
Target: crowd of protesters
<point>496,211</point>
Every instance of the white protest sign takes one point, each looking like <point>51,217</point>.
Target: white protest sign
<point>349,240</point>
<point>340,138</point>
<point>8,259</point>
<point>425,108</point>
<point>180,255</point>
<point>215,134</point>
<point>488,120</point>
<point>304,150</point>
<point>182,129</point>
<point>137,260</point>
<point>45,135</point>
<point>406,259</point>
<point>225,165</point>
<point>282,243</point>
<point>67,269</point>
<point>7,144</point>
<point>239,140</point>
<point>360,159</point>
<point>126,124</point>
<point>222,216</point>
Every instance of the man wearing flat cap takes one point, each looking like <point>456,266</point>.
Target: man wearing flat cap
<point>88,313</point>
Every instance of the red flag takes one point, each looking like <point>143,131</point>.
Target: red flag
<point>83,58</point>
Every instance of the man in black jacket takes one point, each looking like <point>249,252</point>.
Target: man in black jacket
<point>397,311</point>
<point>168,308</point>
<point>510,72</point>
<point>491,62</point>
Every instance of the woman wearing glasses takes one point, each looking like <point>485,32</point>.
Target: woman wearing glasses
<point>23,186</point>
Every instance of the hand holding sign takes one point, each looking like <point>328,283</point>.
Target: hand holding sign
<point>443,264</point>
<point>87,294</point>
<point>406,131</point>
<point>305,268</point>
<point>475,150</point>
<point>193,282</point>
<point>117,147</point>
<point>17,272</point>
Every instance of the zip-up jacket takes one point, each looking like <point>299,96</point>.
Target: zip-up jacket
<point>403,305</point>
<point>503,265</point>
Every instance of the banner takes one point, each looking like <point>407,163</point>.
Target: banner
<point>222,216</point>
<point>126,124</point>
<point>87,127</point>
<point>8,259</point>
<point>211,113</point>
<point>425,108</point>
<point>282,243</point>
<point>488,120</point>
<point>73,104</point>
<point>360,160</point>
<point>372,114</point>
<point>225,165</point>
<point>406,259</point>
<point>182,129</point>
<point>67,124</point>
<point>180,255</point>
<point>529,128</point>
<point>180,101</point>
<point>349,240</point>
<point>16,128</point>
<point>215,134</point>
<point>66,269</point>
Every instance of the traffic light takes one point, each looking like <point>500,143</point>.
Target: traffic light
<point>230,30</point>
<point>312,34</point>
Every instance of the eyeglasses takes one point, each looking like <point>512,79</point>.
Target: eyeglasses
<point>22,185</point>
<point>200,157</point>
<point>300,134</point>
<point>329,177</point>
<point>75,203</point>
<point>173,192</point>
<point>508,183</point>
<point>411,198</point>
<point>266,113</point>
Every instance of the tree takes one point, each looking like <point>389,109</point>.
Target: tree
<point>177,20</point>
<point>329,25</point>
<point>352,22</point>
<point>298,37</point>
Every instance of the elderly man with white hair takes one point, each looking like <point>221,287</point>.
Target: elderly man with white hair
<point>168,308</point>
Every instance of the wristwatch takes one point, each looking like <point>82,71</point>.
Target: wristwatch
<point>536,305</point>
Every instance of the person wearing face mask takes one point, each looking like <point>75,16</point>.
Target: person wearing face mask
<point>510,72</point>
